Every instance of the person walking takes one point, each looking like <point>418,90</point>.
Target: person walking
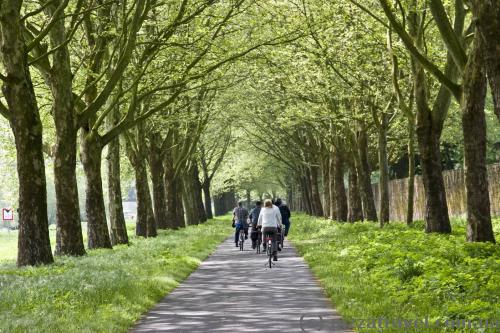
<point>270,221</point>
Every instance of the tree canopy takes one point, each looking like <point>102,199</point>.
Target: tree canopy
<point>206,100</point>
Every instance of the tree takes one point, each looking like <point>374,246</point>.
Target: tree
<point>24,118</point>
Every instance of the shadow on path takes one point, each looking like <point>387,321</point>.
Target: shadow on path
<point>234,291</point>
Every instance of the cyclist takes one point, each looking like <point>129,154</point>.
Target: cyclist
<point>254,219</point>
<point>285,214</point>
<point>270,221</point>
<point>240,216</point>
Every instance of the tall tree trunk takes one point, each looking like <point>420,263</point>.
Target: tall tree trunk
<point>331,189</point>
<point>231,196</point>
<point>118,227</point>
<point>208,201</point>
<point>383,171</point>
<point>173,195</point>
<point>146,224</point>
<point>33,239</point>
<point>487,17</point>
<point>436,208</point>
<point>307,192</point>
<point>479,227</point>
<point>411,171</point>
<point>289,197</point>
<point>340,195</point>
<point>355,206</point>
<point>428,137</point>
<point>218,204</point>
<point>69,238</point>
<point>364,175</point>
<point>189,199</point>
<point>198,195</point>
<point>97,228</point>
<point>325,172</point>
<point>248,197</point>
<point>224,202</point>
<point>315,196</point>
<point>158,181</point>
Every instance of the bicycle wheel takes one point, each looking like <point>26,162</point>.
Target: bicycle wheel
<point>270,253</point>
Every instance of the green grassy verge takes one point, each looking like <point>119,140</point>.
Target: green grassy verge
<point>107,290</point>
<point>402,273</point>
<point>8,240</point>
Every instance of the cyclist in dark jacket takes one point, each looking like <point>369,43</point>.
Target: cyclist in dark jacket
<point>254,219</point>
<point>285,214</point>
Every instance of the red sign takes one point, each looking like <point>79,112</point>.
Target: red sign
<point>7,214</point>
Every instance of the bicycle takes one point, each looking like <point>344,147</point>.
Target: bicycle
<point>282,237</point>
<point>269,250</point>
<point>258,242</point>
<point>242,238</point>
<point>256,237</point>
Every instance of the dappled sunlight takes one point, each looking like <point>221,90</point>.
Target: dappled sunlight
<point>234,291</point>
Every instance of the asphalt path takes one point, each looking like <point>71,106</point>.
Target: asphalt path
<point>235,291</point>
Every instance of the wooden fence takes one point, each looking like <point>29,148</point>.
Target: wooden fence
<point>454,181</point>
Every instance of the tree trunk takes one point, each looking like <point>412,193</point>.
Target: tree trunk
<point>146,224</point>
<point>307,193</point>
<point>218,205</point>
<point>118,227</point>
<point>289,197</point>
<point>325,166</point>
<point>315,196</point>
<point>331,188</point>
<point>173,195</point>
<point>340,195</point>
<point>157,178</point>
<point>33,239</point>
<point>198,195</point>
<point>487,17</point>
<point>189,199</point>
<point>411,171</point>
<point>248,197</point>
<point>208,201</point>
<point>383,171</point>
<point>97,228</point>
<point>355,206</point>
<point>230,200</point>
<point>364,175</point>
<point>436,209</point>
<point>69,238</point>
<point>479,227</point>
<point>116,218</point>
<point>428,137</point>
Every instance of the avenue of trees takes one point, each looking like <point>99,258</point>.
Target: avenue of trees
<point>136,78</point>
<point>292,94</point>
<point>378,90</point>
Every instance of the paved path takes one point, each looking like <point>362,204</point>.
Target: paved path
<point>233,291</point>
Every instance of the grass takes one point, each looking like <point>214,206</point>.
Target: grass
<point>106,290</point>
<point>8,240</point>
<point>400,272</point>
<point>8,245</point>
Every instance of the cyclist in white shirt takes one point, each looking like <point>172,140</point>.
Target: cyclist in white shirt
<point>270,221</point>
